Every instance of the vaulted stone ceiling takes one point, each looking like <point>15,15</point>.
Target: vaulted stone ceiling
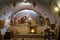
<point>4,2</point>
<point>43,2</point>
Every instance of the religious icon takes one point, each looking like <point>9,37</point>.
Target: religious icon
<point>1,24</point>
<point>23,19</point>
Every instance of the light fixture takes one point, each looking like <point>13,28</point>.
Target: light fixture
<point>56,9</point>
<point>24,0</point>
<point>32,30</point>
<point>58,3</point>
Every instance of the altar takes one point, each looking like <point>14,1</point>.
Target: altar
<point>30,36</point>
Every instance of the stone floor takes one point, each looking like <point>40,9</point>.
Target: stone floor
<point>27,39</point>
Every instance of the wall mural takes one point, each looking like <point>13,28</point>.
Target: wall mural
<point>26,17</point>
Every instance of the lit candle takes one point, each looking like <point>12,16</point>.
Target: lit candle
<point>32,30</point>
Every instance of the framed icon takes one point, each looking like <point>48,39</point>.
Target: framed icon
<point>1,24</point>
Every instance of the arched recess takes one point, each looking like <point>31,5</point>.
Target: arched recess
<point>39,14</point>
